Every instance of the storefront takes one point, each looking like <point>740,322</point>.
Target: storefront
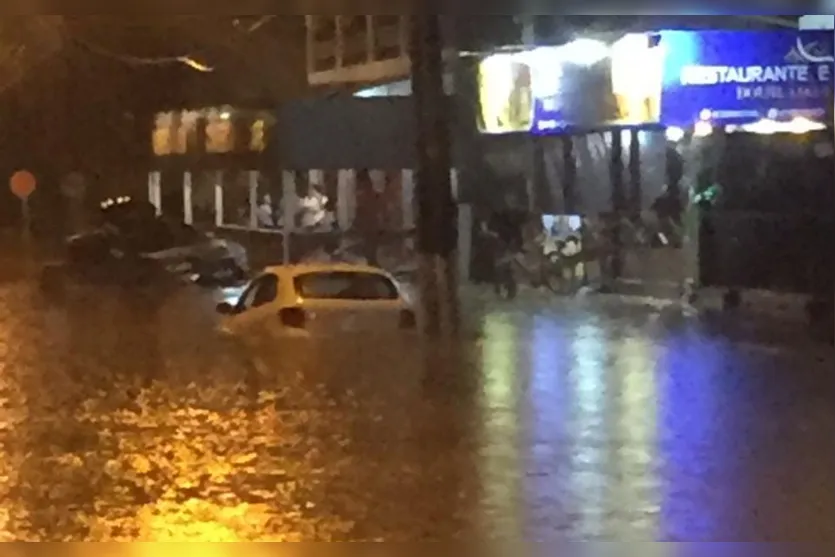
<point>604,127</point>
<point>601,125</point>
<point>750,116</point>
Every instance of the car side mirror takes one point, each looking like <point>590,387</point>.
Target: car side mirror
<point>225,308</point>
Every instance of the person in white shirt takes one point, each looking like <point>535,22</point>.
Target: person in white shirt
<point>264,212</point>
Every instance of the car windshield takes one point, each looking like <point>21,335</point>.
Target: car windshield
<point>342,285</point>
<point>144,232</point>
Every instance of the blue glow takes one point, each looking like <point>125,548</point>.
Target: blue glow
<point>741,77</point>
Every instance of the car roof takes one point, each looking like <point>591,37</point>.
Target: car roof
<point>312,268</point>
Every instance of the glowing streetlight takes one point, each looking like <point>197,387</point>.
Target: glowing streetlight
<point>194,64</point>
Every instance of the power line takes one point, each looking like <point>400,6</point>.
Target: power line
<point>186,60</point>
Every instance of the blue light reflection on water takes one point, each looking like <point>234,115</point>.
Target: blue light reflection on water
<point>593,423</point>
<point>590,441</point>
<point>690,439</point>
<point>547,482</point>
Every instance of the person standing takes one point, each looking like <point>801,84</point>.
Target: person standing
<point>368,216</point>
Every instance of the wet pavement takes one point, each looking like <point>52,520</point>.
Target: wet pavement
<point>575,420</point>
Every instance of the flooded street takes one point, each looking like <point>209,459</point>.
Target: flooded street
<point>567,421</point>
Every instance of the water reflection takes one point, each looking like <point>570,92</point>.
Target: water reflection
<point>589,441</point>
<point>501,443</point>
<point>636,483</point>
<point>691,428</point>
<point>548,406</point>
<point>589,427</point>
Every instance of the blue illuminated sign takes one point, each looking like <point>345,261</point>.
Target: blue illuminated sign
<point>672,78</point>
<point>744,76</point>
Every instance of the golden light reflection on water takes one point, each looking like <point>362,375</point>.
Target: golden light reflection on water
<point>614,434</point>
<point>637,478</point>
<point>18,356</point>
<point>207,476</point>
<point>160,549</point>
<point>500,464</point>
<point>188,461</point>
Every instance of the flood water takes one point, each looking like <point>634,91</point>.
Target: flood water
<point>559,422</point>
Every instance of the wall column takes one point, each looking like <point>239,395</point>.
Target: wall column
<point>219,199</point>
<point>155,191</point>
<point>252,182</point>
<point>288,209</point>
<point>618,203</point>
<point>188,200</point>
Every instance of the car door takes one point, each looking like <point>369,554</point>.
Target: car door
<point>257,310</point>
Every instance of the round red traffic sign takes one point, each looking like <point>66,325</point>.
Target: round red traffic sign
<point>22,184</point>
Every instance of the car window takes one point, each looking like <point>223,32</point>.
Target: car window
<point>147,236</point>
<point>345,286</point>
<point>262,291</point>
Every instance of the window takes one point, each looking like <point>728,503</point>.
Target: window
<point>261,124</point>
<point>163,124</point>
<point>178,134</point>
<point>220,133</point>
<point>261,292</point>
<point>323,28</point>
<point>346,286</point>
<point>187,133</point>
<point>386,36</point>
<point>257,136</point>
<point>354,40</point>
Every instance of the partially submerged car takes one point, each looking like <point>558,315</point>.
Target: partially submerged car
<point>131,243</point>
<point>319,300</point>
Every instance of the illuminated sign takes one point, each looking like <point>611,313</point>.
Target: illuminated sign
<point>583,83</point>
<point>713,75</point>
<point>738,77</point>
<point>677,79</point>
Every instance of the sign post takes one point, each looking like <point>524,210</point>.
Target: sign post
<point>22,185</point>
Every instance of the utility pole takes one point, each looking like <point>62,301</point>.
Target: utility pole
<point>437,212</point>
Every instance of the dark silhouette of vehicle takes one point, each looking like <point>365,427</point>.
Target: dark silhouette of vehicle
<point>133,246</point>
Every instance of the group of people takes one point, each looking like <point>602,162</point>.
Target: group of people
<point>311,212</point>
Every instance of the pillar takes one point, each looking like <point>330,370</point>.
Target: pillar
<point>636,193</point>
<point>219,199</point>
<point>454,186</point>
<point>188,201</point>
<point>436,209</point>
<point>569,177</point>
<point>465,241</point>
<point>155,191</point>
<point>345,199</point>
<point>618,203</point>
<point>252,183</point>
<point>408,200</point>
<point>288,209</point>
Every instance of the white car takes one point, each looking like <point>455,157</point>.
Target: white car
<point>319,299</point>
